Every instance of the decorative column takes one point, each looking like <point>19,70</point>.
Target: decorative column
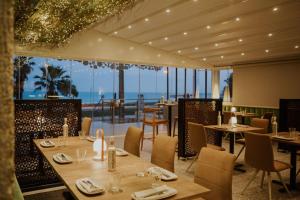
<point>215,81</point>
<point>121,90</point>
<point>7,137</point>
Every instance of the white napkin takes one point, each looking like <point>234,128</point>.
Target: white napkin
<point>151,192</point>
<point>47,143</point>
<point>166,175</point>
<point>89,186</point>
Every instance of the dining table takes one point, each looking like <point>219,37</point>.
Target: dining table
<point>128,168</point>
<point>293,144</point>
<point>232,130</point>
<point>169,106</point>
<point>244,115</point>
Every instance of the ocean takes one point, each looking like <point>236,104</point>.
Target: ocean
<point>94,97</point>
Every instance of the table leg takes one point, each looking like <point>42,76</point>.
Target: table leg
<point>170,120</point>
<point>231,143</point>
<point>293,184</point>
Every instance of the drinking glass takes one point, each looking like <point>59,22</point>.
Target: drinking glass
<point>81,135</point>
<point>60,141</point>
<point>81,154</point>
<point>115,183</point>
<point>157,174</point>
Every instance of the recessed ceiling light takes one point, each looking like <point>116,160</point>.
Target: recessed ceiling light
<point>195,0</point>
<point>196,48</point>
<point>129,26</point>
<point>179,51</point>
<point>275,9</point>
<point>185,33</point>
<point>208,27</point>
<point>240,40</point>
<point>222,57</point>
<point>296,46</point>
<point>242,54</point>
<point>204,59</point>
<point>168,10</point>
<point>216,44</point>
<point>116,32</point>
<point>237,19</point>
<point>270,34</point>
<point>146,19</point>
<point>166,38</point>
<point>267,50</point>
<point>158,55</point>
<point>131,48</point>
<point>149,42</point>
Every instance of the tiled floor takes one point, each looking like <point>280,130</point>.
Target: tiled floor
<point>239,179</point>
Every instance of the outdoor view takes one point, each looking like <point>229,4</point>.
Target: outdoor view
<point>108,87</point>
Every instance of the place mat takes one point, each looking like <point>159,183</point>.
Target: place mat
<point>160,192</point>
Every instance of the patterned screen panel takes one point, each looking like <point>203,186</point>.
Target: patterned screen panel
<point>202,111</point>
<point>40,119</point>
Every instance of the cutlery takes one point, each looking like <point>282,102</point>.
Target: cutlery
<point>64,157</point>
<point>89,183</point>
<point>83,186</point>
<point>156,193</point>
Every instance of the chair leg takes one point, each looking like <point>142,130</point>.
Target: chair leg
<point>298,172</point>
<point>250,181</point>
<point>174,127</point>
<point>153,136</point>
<point>143,135</point>
<point>193,161</point>
<point>262,180</point>
<point>284,185</point>
<point>156,129</point>
<point>242,149</point>
<point>270,185</point>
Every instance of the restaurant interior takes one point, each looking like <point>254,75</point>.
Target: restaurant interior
<point>149,99</point>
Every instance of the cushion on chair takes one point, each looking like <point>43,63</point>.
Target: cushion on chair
<point>215,147</point>
<point>280,166</point>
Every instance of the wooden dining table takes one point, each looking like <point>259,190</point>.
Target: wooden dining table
<point>232,131</point>
<point>293,146</point>
<point>127,169</point>
<point>244,115</point>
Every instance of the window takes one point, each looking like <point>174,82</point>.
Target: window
<point>225,80</point>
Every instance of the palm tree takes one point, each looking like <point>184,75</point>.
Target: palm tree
<point>55,81</point>
<point>22,68</point>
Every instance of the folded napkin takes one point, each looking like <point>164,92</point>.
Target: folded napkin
<point>62,158</point>
<point>86,185</point>
<point>47,143</point>
<point>166,175</point>
<point>151,192</point>
<point>121,152</point>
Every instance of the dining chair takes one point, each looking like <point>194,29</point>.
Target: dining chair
<point>259,155</point>
<point>133,140</point>
<point>214,171</point>
<point>163,152</point>
<point>152,121</point>
<point>198,140</point>
<point>86,125</point>
<point>255,122</point>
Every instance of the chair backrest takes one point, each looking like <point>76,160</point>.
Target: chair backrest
<point>152,112</point>
<point>163,152</point>
<point>197,136</point>
<point>226,117</point>
<point>214,170</point>
<point>86,125</point>
<point>259,151</point>
<point>260,123</point>
<point>133,140</point>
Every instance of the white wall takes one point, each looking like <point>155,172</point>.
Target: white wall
<point>264,84</point>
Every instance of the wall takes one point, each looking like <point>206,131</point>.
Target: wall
<point>262,85</point>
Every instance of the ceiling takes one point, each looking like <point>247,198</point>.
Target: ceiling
<point>218,32</point>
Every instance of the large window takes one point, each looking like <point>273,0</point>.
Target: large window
<point>189,83</point>
<point>225,80</point>
<point>180,82</point>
